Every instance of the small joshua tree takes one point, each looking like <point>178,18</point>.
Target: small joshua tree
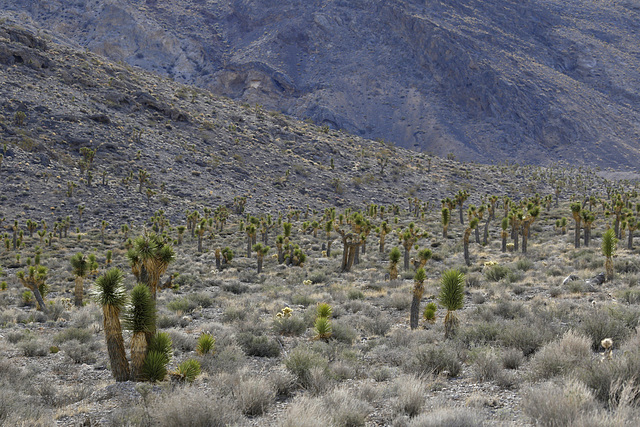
<point>609,243</point>
<point>452,298</point>
<point>111,295</point>
<point>394,259</point>
<point>140,319</point>
<point>446,219</point>
<point>35,280</point>
<point>467,233</point>
<point>418,290</point>
<point>261,251</point>
<point>575,211</point>
<point>80,266</point>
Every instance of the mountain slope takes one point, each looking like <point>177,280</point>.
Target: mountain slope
<point>532,81</point>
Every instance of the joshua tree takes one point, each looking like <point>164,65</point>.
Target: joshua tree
<point>588,218</point>
<point>80,267</point>
<point>408,238</point>
<point>151,256</point>
<point>280,244</point>
<point>201,229</point>
<point>418,290</point>
<point>609,243</point>
<point>111,295</point>
<point>328,226</point>
<point>632,225</point>
<point>452,298</point>
<point>394,258</point>
<point>467,233</point>
<point>35,281</point>
<point>460,198</point>
<point>140,319</point>
<point>382,231</point>
<point>261,251</point>
<point>424,255</point>
<point>576,207</point>
<point>350,241</point>
<point>446,219</point>
<point>532,213</point>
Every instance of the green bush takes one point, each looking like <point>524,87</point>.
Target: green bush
<point>259,346</point>
<point>429,359</point>
<point>300,363</point>
<point>206,344</point>
<point>189,370</point>
<point>155,366</point>
<point>496,272</point>
<point>289,326</point>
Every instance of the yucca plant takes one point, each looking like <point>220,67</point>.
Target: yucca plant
<point>80,266</point>
<point>140,318</point>
<point>158,357</point>
<point>187,371</point>
<point>429,313</point>
<point>206,344</point>
<point>418,290</point>
<point>394,258</point>
<point>323,310</point>
<point>111,295</point>
<point>609,243</point>
<point>322,328</point>
<point>452,298</point>
<point>261,251</point>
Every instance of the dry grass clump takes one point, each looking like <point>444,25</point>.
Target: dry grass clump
<point>411,395</point>
<point>562,356</point>
<point>559,404</point>
<point>451,417</point>
<point>253,395</point>
<point>191,407</point>
<point>306,411</point>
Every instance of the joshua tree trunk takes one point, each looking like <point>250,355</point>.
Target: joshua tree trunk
<point>259,264</point>
<point>328,248</point>
<point>38,296</point>
<point>115,344</point>
<point>485,237</point>
<point>406,258</point>
<point>630,241</point>
<point>79,291</point>
<point>138,353</point>
<point>415,310</point>
<point>478,235</point>
<point>467,259</point>
<point>576,236</point>
<point>525,239</point>
<point>504,242</point>
<point>249,247</point>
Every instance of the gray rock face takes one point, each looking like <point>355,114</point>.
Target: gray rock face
<point>535,81</point>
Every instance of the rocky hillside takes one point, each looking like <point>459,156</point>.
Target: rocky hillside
<point>534,81</point>
<point>77,130</point>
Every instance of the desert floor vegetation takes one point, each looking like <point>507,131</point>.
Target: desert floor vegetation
<point>515,339</point>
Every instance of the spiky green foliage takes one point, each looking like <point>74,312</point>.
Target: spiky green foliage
<point>109,289</point>
<point>429,313</point>
<point>394,255</point>
<point>206,344</point>
<point>323,310</point>
<point>141,313</point>
<point>188,370</point>
<point>79,264</point>
<point>155,366</point>
<point>451,297</point>
<point>322,328</point>
<point>161,343</point>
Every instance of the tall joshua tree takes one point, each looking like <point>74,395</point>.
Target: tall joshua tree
<point>576,207</point>
<point>154,255</point>
<point>80,266</point>
<point>446,219</point>
<point>261,251</point>
<point>140,319</point>
<point>532,213</point>
<point>418,290</point>
<point>111,295</point>
<point>467,233</point>
<point>328,227</point>
<point>609,243</point>
<point>452,298</point>
<point>504,225</point>
<point>460,198</point>
<point>35,281</point>
<point>408,238</point>
<point>382,231</point>
<point>394,258</point>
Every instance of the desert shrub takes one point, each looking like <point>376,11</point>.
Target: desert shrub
<point>191,407</point>
<point>377,324</point>
<point>260,346</point>
<point>561,356</point>
<point>473,281</point>
<point>253,395</point>
<point>300,363</point>
<point>480,333</point>
<point>181,305</point>
<point>510,310</point>
<point>630,296</point>
<point>610,379</point>
<point>411,395</point>
<point>512,358</point>
<point>283,383</point>
<point>600,324</point>
<point>234,313</point>
<point>551,404</point>
<point>302,299</point>
<point>201,299</point>
<point>355,294</point>
<point>181,342</point>
<point>346,410</point>
<point>429,359</point>
<point>496,272</point>
<point>486,366</point>
<point>342,332</point>
<point>626,265</point>
<point>166,322</point>
<point>34,348</point>
<point>525,336</point>
<point>398,300</point>
<point>235,287</point>
<point>80,352</point>
<point>524,264</point>
<point>79,334</point>
<point>458,417</point>
<point>289,326</point>
<point>16,336</point>
<point>341,370</point>
<point>228,359</point>
<point>186,280</point>
<point>306,411</point>
<point>318,277</point>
